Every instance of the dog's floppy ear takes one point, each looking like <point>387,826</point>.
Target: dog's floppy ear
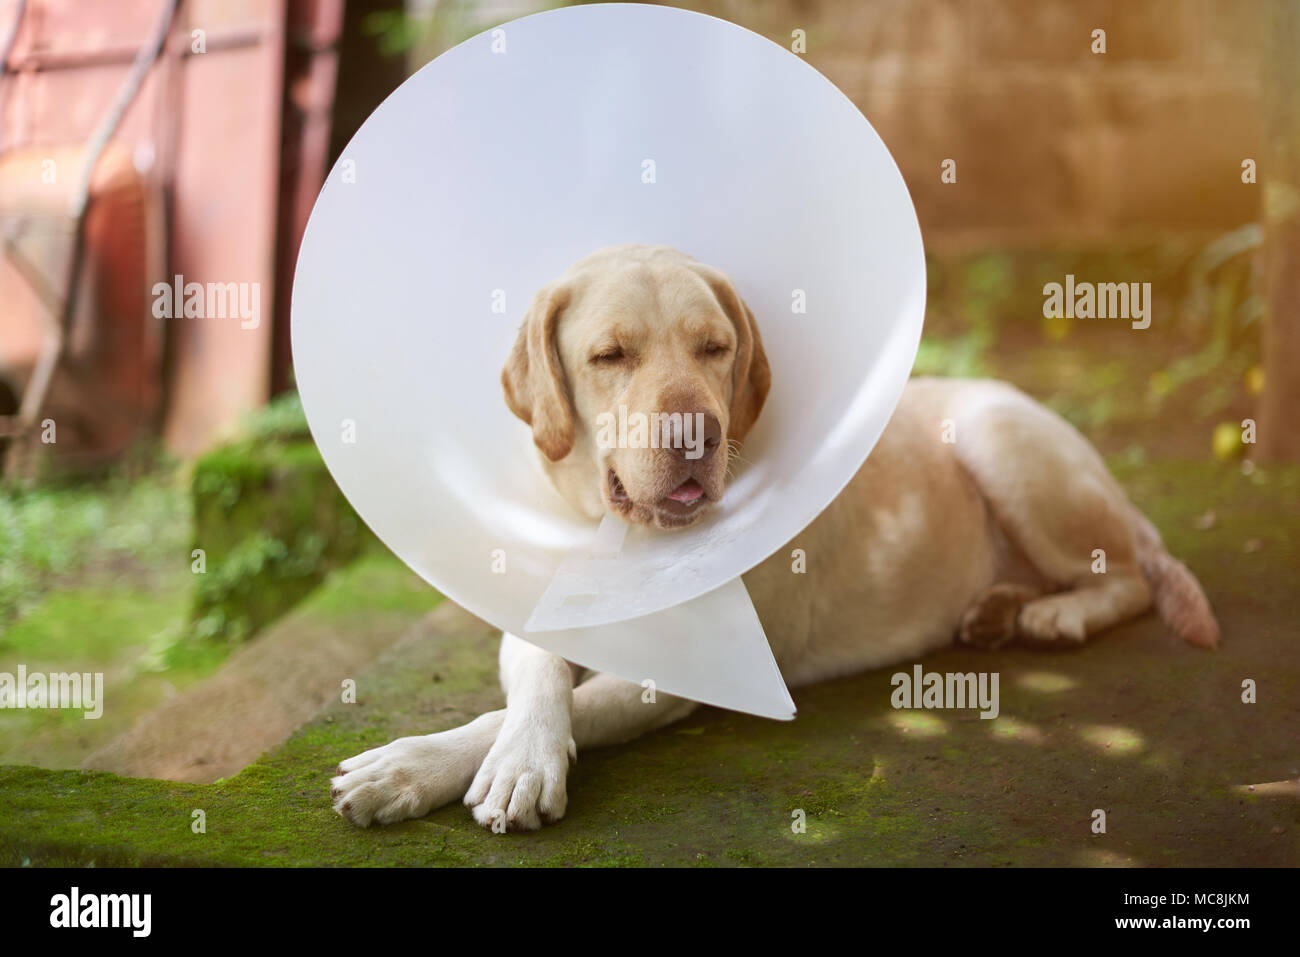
<point>751,377</point>
<point>534,379</point>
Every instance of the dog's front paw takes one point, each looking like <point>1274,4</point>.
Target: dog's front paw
<point>405,779</point>
<point>521,784</point>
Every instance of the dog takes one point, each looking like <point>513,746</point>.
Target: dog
<point>989,539</point>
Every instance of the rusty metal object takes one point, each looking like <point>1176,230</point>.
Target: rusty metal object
<point>311,72</point>
<point>67,214</point>
<point>89,363</point>
<point>211,201</point>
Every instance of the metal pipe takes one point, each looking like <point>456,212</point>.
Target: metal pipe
<point>7,48</point>
<point>45,60</point>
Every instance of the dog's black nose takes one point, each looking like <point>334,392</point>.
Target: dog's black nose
<point>701,438</point>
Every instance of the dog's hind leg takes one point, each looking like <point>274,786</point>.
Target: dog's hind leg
<point>1053,497</point>
<point>990,621</point>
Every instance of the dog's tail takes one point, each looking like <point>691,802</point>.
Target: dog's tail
<point>1179,599</point>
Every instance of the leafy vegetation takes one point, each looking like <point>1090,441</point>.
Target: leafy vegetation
<point>269,525</point>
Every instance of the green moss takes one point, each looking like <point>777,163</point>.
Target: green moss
<point>87,624</point>
<point>53,535</point>
<point>873,791</point>
<point>377,582</point>
<point>96,577</point>
<point>270,524</point>
<point>282,418</point>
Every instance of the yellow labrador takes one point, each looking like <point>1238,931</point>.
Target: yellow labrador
<point>989,539</point>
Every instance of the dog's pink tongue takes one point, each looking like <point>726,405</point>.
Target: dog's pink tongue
<point>687,492</point>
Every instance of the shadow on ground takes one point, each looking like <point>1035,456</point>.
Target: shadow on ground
<point>1153,732</point>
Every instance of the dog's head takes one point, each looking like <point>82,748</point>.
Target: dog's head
<point>637,370</point>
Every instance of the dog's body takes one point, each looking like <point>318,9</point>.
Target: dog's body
<point>979,514</point>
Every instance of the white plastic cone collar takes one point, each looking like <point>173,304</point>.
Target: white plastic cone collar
<point>489,172</point>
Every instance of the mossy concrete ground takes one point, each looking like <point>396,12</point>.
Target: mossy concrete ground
<point>1153,732</point>
<point>271,686</point>
<point>94,577</point>
<point>101,572</point>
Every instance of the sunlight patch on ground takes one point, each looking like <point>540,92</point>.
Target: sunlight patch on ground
<point>1010,729</point>
<point>1045,682</point>
<point>1099,857</point>
<point>918,723</point>
<point>1286,789</point>
<point>1112,739</point>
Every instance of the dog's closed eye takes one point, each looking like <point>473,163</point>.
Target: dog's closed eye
<point>609,355</point>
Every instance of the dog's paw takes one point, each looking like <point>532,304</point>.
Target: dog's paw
<point>521,784</point>
<point>990,621</point>
<point>1056,619</point>
<point>405,779</point>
